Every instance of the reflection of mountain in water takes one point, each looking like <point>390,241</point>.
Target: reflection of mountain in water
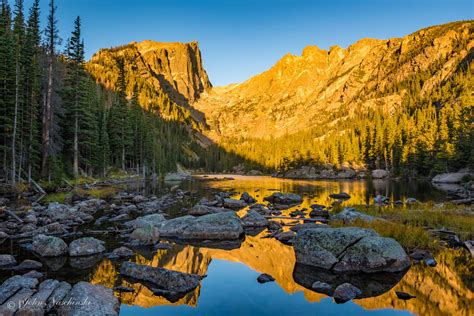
<point>444,290</point>
<point>447,289</point>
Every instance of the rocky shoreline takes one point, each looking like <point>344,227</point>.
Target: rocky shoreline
<point>52,231</point>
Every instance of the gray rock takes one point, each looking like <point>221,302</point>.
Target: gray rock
<point>97,300</point>
<point>200,209</point>
<point>46,288</point>
<point>175,227</point>
<point>220,226</point>
<point>380,174</point>
<point>321,287</point>
<point>122,252</point>
<point>411,201</point>
<point>164,279</point>
<point>264,278</point>
<point>340,196</point>
<point>453,177</point>
<point>247,198</point>
<point>320,247</point>
<point>13,284</point>
<point>28,264</point>
<point>33,274</point>
<point>3,235</point>
<point>86,246</point>
<point>234,204</point>
<point>49,246</point>
<point>145,235</point>
<point>15,302</point>
<point>349,249</point>
<point>254,219</point>
<point>285,237</point>
<point>431,262</point>
<point>349,215</point>
<point>152,219</point>
<point>284,198</point>
<point>7,261</point>
<point>373,254</point>
<point>346,292</point>
<point>57,296</point>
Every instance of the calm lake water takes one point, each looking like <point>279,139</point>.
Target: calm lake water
<point>231,286</point>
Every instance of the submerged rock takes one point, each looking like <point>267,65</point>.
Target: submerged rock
<point>284,198</point>
<point>404,296</point>
<point>49,246</point>
<point>86,246</point>
<point>349,249</point>
<point>173,282</point>
<point>322,287</point>
<point>98,299</point>
<point>264,278</point>
<point>346,292</point>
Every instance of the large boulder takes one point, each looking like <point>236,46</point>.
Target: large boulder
<point>349,249</point>
<point>86,246</point>
<point>93,300</point>
<point>453,177</point>
<point>373,254</point>
<point>284,198</point>
<point>380,174</point>
<point>220,226</point>
<point>49,246</point>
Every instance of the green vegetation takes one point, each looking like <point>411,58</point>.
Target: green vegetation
<point>410,226</point>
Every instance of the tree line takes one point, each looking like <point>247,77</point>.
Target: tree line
<point>56,121</point>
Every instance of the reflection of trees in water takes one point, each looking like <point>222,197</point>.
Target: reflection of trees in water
<point>361,191</point>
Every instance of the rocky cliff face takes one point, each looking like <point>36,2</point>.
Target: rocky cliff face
<point>160,71</point>
<point>324,86</point>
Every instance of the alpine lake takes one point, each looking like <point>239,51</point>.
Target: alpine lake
<point>230,286</point>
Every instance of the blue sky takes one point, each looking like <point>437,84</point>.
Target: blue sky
<point>241,38</point>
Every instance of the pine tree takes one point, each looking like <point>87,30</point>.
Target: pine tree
<point>52,39</point>
<point>32,92</point>
<point>75,90</point>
